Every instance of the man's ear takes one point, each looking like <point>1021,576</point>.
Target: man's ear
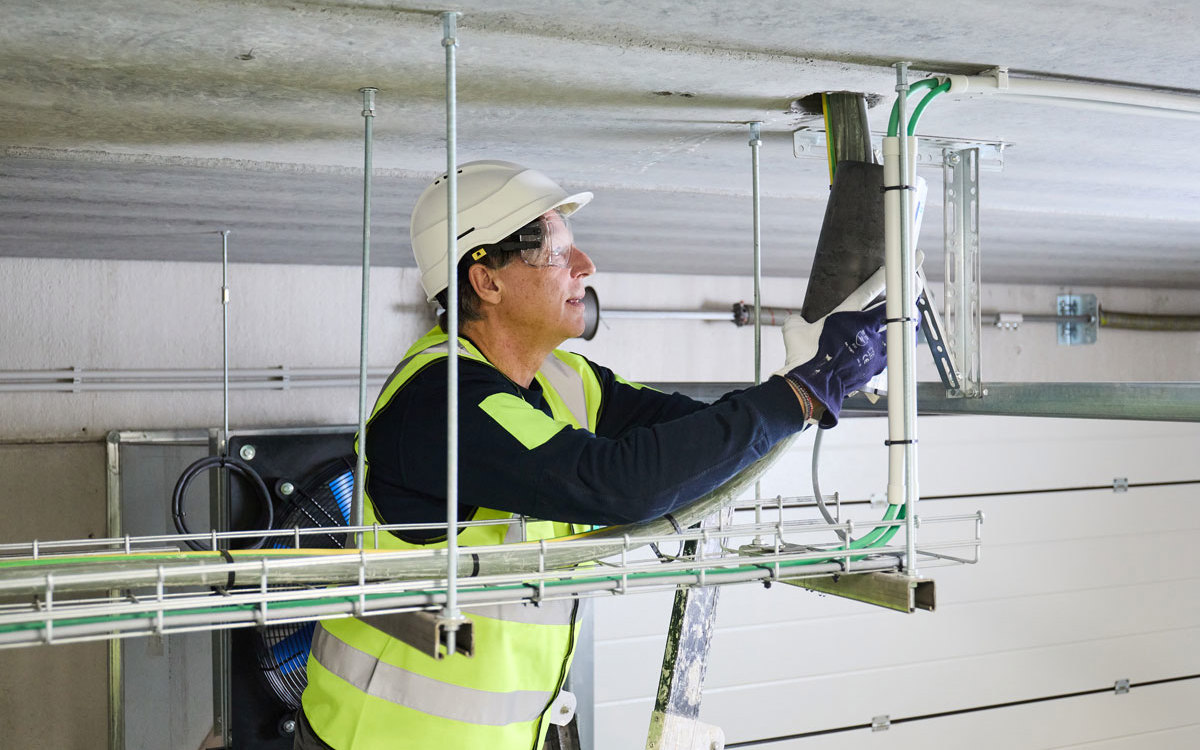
<point>484,282</point>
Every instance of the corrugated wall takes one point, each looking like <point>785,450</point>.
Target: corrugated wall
<point>1075,590</point>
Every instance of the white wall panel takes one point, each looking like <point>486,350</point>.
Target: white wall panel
<point>1073,591</point>
<point>1145,718</point>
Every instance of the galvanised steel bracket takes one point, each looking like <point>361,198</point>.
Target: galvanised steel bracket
<point>809,142</point>
<point>962,286</point>
<point>1075,332</point>
<point>894,591</point>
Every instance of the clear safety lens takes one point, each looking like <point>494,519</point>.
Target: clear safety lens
<point>557,243</point>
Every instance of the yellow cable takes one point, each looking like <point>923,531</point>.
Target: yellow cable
<point>828,134</point>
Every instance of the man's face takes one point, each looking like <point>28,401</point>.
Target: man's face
<point>547,301</point>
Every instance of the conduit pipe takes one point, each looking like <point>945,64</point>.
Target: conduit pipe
<point>1107,96</point>
<point>899,178</point>
<point>78,380</point>
<point>1144,322</point>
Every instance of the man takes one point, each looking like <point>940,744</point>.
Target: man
<point>544,434</point>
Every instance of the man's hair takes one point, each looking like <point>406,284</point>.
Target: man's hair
<point>499,255</point>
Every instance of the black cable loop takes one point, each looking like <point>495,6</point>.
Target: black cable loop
<point>678,530</point>
<point>234,465</point>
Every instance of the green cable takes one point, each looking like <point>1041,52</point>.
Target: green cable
<point>894,511</point>
<point>98,619</point>
<point>912,121</point>
<point>876,537</point>
<point>921,85</point>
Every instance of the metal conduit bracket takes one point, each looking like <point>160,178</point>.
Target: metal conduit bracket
<point>1072,332</point>
<point>424,631</point>
<point>894,591</point>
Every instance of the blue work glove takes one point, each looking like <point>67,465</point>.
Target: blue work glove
<point>839,353</point>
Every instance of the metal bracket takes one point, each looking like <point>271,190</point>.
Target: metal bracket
<point>1121,686</point>
<point>810,143</point>
<point>894,591</point>
<point>424,631</point>
<point>1121,484</point>
<point>963,319</point>
<point>1076,333</point>
<point>931,326</point>
<point>881,723</point>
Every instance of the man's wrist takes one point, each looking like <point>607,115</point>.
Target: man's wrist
<point>807,403</point>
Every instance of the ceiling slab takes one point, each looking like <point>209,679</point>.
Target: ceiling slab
<point>135,130</point>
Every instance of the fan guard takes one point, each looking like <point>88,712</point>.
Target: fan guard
<point>323,501</point>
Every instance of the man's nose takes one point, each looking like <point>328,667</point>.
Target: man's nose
<point>581,263</point>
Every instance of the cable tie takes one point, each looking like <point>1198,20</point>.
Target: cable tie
<point>899,442</point>
<point>886,188</point>
<point>905,319</point>
<point>474,565</point>
<point>223,590</point>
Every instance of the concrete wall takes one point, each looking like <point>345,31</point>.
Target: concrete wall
<point>103,314</point>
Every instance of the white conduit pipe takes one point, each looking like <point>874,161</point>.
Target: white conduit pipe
<point>723,316</point>
<point>1094,95</point>
<point>261,379</point>
<point>85,375</point>
<point>900,262</point>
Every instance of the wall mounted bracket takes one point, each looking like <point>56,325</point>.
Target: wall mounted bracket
<point>808,142</point>
<point>1074,332</point>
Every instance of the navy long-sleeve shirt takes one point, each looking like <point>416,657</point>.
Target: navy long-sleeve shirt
<point>651,453</point>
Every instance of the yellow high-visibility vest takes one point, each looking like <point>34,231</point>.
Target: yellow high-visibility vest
<point>368,690</point>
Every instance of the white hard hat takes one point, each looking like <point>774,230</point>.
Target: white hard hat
<point>495,199</point>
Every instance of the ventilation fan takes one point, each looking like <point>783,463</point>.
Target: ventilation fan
<point>323,501</point>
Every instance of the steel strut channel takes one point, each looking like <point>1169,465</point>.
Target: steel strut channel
<point>1158,402</point>
<point>1155,402</point>
<point>888,590</point>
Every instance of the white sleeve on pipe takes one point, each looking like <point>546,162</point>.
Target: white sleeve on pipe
<point>891,236</point>
<point>897,299</point>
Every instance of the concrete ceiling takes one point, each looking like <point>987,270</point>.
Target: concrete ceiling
<point>138,129</point>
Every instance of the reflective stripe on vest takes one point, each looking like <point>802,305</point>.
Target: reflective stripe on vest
<point>566,382</point>
<point>425,694</point>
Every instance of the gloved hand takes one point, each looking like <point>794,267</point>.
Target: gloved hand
<point>839,353</point>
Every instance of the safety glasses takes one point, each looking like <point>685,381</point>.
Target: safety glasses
<point>555,241</point>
